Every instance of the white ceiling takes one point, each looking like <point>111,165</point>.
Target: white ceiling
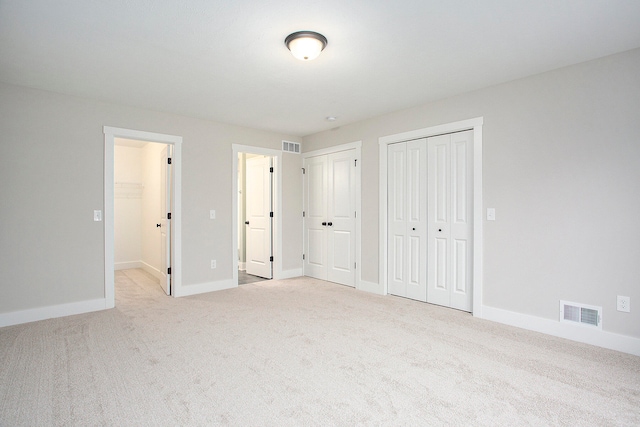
<point>226,60</point>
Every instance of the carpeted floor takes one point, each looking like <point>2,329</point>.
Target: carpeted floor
<point>301,352</point>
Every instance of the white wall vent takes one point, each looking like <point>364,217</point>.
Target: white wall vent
<point>291,147</point>
<point>581,314</point>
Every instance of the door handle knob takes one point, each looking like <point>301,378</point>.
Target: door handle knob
<point>330,224</point>
<point>439,229</point>
<point>324,224</point>
<point>414,229</point>
<point>158,225</point>
<point>246,222</point>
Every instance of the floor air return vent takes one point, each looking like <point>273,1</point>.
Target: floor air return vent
<point>581,314</point>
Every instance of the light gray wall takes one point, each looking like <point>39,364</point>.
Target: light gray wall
<point>51,251</point>
<point>562,168</point>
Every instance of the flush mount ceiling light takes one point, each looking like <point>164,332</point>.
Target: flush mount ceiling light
<point>305,45</point>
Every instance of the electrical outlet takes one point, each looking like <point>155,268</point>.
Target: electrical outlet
<point>624,304</point>
<point>213,264</point>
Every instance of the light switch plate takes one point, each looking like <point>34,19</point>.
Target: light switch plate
<point>97,215</point>
<point>491,214</point>
<point>212,214</point>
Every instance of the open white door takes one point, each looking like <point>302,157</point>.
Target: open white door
<point>259,216</point>
<point>165,218</point>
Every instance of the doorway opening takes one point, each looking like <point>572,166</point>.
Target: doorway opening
<point>142,203</point>
<point>173,223</point>
<point>257,218</point>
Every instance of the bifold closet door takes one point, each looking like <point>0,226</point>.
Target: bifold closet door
<point>330,212</point>
<point>407,219</point>
<point>450,220</point>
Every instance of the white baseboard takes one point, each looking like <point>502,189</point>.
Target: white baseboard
<point>597,337</point>
<point>374,288</point>
<point>242,266</point>
<point>202,288</point>
<point>151,270</point>
<point>50,312</point>
<point>127,265</point>
<point>288,274</point>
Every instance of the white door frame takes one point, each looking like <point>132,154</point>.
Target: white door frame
<point>475,125</point>
<point>335,149</point>
<point>277,208</point>
<point>110,133</point>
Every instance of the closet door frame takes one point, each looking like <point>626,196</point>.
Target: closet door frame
<point>357,146</point>
<point>474,124</point>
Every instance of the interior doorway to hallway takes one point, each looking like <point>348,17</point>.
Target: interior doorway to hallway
<point>255,217</point>
<point>241,213</point>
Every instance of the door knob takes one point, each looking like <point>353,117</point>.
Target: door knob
<point>324,224</point>
<point>439,229</point>
<point>158,225</point>
<point>246,222</point>
<point>330,224</point>
<point>414,229</point>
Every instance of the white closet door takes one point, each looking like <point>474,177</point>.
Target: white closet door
<point>450,225</point>
<point>258,208</point>
<point>330,217</point>
<point>407,219</point>
<point>341,225</point>
<point>315,206</point>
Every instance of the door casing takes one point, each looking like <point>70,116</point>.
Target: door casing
<point>110,133</point>
<point>276,155</point>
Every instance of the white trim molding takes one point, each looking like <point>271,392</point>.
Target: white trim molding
<point>474,124</point>
<point>51,312</point>
<point>289,274</point>
<point>593,336</point>
<point>202,288</point>
<point>110,133</point>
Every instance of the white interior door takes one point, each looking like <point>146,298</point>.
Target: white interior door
<point>315,221</point>
<point>330,217</point>
<point>450,229</point>
<point>341,211</point>
<point>165,222</point>
<point>407,219</point>
<point>258,217</point>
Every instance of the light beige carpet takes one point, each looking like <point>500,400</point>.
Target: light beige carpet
<point>301,352</point>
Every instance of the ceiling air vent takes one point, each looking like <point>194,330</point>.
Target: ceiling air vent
<point>581,314</point>
<point>291,147</point>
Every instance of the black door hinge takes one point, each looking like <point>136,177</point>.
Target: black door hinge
<point>303,171</point>
<point>271,169</point>
<point>169,270</point>
<point>271,214</point>
<point>302,256</point>
<point>303,214</point>
<point>169,160</point>
<point>355,162</point>
<point>169,215</point>
<point>271,258</point>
